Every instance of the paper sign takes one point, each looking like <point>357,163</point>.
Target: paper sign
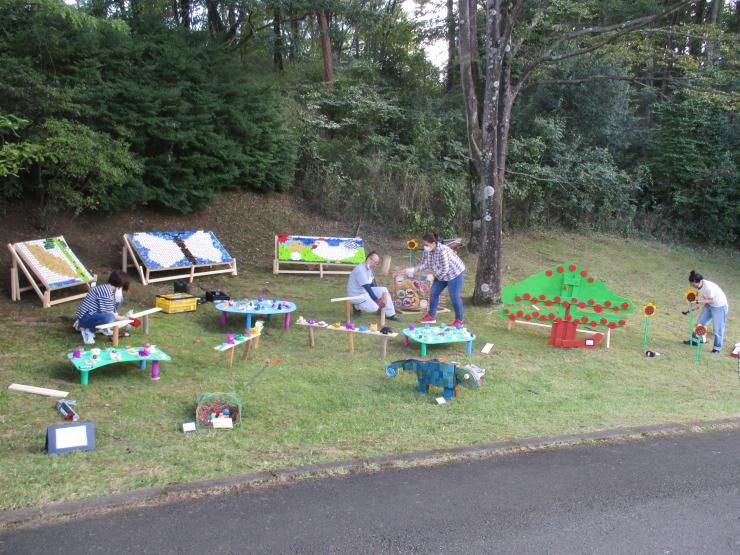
<point>487,349</point>
<point>188,426</point>
<point>222,422</point>
<point>440,400</point>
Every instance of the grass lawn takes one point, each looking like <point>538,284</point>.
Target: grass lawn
<point>326,404</point>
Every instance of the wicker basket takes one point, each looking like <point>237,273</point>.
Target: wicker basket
<point>210,402</point>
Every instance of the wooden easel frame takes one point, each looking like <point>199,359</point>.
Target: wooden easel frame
<point>42,288</point>
<point>320,268</point>
<point>145,273</point>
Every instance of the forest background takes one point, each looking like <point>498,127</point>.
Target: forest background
<point>107,105</point>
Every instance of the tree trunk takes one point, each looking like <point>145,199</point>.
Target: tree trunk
<point>277,47</point>
<point>185,20</point>
<point>326,50</point>
<point>451,47</point>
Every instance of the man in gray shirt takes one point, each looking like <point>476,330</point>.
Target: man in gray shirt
<point>361,283</point>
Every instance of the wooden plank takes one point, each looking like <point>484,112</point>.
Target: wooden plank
<point>276,260</point>
<point>28,275</point>
<point>355,298</point>
<point>315,272</point>
<point>179,276</point>
<point>68,299</point>
<point>134,260</point>
<point>230,356</point>
<point>117,324</point>
<point>37,390</point>
<point>145,312</point>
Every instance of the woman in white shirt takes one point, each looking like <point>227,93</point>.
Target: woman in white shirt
<point>715,306</point>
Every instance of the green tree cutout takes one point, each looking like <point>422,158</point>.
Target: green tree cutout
<point>565,294</point>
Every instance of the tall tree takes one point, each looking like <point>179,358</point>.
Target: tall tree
<point>517,46</point>
<point>326,50</point>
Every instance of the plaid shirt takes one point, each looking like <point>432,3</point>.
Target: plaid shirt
<point>443,261</point>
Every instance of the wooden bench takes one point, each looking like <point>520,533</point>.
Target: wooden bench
<point>230,348</point>
<point>350,334</point>
<point>118,324</point>
<point>349,302</point>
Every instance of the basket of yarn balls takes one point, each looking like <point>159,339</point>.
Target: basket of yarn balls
<point>221,404</point>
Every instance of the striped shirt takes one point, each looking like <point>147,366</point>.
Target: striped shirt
<point>101,298</point>
<point>444,263</point>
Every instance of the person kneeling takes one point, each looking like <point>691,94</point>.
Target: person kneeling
<point>361,282</point>
<point>100,306</point>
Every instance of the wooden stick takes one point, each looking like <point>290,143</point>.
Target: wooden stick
<point>245,354</point>
<point>230,357</point>
<point>276,260</point>
<point>134,260</point>
<point>386,267</point>
<point>384,347</point>
<point>351,342</point>
<point>38,390</point>
<point>387,299</point>
<point>116,331</point>
<point>348,311</point>
<point>311,337</point>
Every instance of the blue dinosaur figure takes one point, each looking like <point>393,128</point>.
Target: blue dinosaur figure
<point>447,374</point>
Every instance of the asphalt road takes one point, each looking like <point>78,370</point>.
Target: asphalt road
<point>670,495</point>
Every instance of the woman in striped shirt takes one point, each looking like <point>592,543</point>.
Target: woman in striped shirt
<point>100,305</point>
<point>448,270</point>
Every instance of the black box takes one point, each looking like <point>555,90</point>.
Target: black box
<point>216,295</point>
<point>183,287</point>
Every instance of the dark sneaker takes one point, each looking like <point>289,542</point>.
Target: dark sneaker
<point>716,351</point>
<point>356,311</point>
<point>395,318</point>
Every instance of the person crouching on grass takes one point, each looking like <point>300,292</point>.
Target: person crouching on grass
<point>362,282</point>
<point>715,307</point>
<point>100,306</point>
<point>449,272</point>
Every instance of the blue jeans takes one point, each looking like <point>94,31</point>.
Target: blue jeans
<point>718,316</point>
<point>455,287</point>
<point>95,319</point>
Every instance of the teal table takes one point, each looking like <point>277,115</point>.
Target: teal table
<point>256,307</point>
<point>92,359</point>
<point>438,335</point>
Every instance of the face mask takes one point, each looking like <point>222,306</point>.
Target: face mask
<point>119,295</point>
<point>427,248</point>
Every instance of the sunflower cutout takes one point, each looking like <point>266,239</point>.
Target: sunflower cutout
<point>412,244</point>
<point>691,296</point>
<point>648,310</point>
<point>700,330</point>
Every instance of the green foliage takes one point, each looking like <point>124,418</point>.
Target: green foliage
<point>554,179</point>
<point>175,118</point>
<point>366,153</point>
<point>695,168</point>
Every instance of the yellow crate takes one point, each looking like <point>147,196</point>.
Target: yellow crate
<point>176,302</point>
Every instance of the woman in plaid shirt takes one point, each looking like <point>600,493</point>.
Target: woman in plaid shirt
<point>448,270</point>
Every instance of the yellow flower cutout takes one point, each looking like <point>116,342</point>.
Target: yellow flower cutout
<point>412,244</point>
<point>700,330</point>
<point>648,310</point>
<point>691,296</point>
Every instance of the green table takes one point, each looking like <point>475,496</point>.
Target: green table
<point>89,360</point>
<point>437,335</point>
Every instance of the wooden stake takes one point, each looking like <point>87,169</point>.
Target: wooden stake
<point>115,336</point>
<point>384,347</point>
<point>311,337</point>
<point>386,267</point>
<point>245,354</point>
<point>230,357</point>
<point>38,390</point>
<point>351,342</point>
<point>348,311</point>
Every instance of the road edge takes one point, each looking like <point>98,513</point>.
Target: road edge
<point>437,456</point>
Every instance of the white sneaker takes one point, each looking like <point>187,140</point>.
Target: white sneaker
<point>76,325</point>
<point>106,331</point>
<point>88,337</point>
